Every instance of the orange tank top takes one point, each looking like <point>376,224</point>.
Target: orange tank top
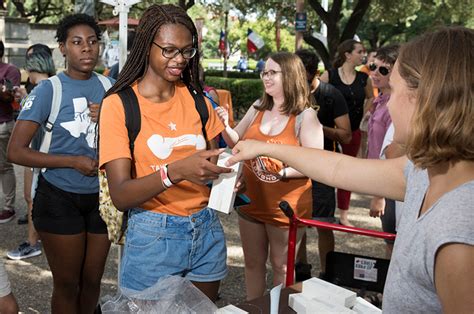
<point>265,190</point>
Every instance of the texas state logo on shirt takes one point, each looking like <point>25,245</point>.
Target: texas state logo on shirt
<point>266,169</point>
<point>82,123</point>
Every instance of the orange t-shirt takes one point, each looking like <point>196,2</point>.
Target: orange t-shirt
<point>170,131</point>
<point>265,190</point>
<point>365,69</point>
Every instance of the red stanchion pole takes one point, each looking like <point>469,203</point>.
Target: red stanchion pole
<point>290,264</point>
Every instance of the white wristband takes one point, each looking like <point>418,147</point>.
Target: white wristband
<point>164,176</point>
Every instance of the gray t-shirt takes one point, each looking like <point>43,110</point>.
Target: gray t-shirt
<point>410,286</point>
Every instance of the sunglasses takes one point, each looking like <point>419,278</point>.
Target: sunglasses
<point>382,70</point>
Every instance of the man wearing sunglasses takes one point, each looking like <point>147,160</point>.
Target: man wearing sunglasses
<point>379,122</point>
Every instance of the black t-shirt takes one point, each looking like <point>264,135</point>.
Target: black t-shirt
<point>331,105</point>
<point>354,95</point>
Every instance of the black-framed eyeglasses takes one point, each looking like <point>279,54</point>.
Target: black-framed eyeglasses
<point>270,74</point>
<point>171,52</point>
<point>382,70</point>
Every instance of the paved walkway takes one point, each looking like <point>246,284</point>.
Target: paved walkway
<point>32,282</point>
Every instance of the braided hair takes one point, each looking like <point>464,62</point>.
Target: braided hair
<point>137,63</point>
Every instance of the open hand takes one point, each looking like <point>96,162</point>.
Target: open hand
<point>377,207</point>
<point>197,168</point>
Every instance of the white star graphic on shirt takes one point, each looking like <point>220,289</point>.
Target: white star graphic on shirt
<point>172,126</point>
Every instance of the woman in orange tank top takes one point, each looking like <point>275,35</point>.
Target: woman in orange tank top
<point>283,115</point>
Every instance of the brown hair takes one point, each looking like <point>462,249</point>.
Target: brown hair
<point>438,67</point>
<point>295,87</point>
<point>346,46</point>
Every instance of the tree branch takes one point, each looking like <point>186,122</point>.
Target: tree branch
<point>336,9</point>
<point>319,10</point>
<point>354,20</point>
<point>319,47</point>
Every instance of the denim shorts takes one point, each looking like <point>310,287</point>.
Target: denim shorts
<point>159,244</point>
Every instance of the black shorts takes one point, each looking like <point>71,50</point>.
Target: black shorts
<point>389,218</point>
<point>59,212</point>
<point>324,202</point>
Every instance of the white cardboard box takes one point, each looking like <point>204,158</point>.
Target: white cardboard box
<point>230,309</point>
<point>362,306</point>
<point>330,293</point>
<point>222,193</point>
<point>301,304</point>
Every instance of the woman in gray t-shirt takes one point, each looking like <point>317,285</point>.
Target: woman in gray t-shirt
<point>432,112</point>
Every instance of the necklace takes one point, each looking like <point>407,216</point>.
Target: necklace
<point>343,76</point>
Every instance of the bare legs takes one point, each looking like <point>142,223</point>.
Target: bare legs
<point>258,242</point>
<point>210,289</point>
<point>77,263</point>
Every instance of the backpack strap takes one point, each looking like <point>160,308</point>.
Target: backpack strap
<point>132,115</point>
<point>104,81</point>
<point>55,105</point>
<point>201,108</point>
<point>299,120</point>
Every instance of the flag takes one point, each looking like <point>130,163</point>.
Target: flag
<point>222,43</point>
<point>254,42</point>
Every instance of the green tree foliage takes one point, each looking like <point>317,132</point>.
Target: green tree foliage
<point>390,21</point>
<point>45,11</point>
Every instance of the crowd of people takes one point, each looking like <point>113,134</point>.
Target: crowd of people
<point>298,142</point>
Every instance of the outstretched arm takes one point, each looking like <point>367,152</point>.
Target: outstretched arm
<point>127,192</point>
<point>374,177</point>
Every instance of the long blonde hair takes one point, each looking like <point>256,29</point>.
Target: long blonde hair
<point>438,67</point>
<point>296,92</point>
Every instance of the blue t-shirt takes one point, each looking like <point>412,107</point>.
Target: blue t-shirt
<point>73,131</point>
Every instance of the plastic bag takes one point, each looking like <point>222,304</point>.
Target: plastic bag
<point>171,294</point>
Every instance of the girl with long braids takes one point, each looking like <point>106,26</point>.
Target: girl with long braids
<point>171,231</point>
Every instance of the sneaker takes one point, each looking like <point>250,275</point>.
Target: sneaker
<point>23,220</point>
<point>6,216</point>
<point>25,250</point>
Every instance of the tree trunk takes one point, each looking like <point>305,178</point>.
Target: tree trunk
<point>277,30</point>
<point>332,21</point>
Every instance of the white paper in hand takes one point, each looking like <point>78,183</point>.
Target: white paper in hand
<point>222,193</point>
